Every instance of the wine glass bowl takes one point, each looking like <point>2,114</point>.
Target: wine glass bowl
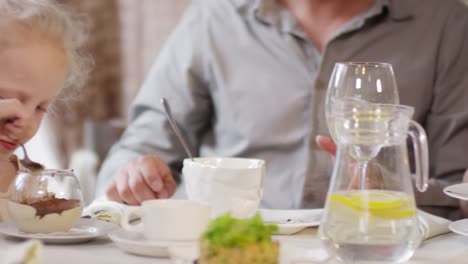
<point>352,87</point>
<point>373,82</point>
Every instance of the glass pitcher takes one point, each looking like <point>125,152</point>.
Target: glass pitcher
<point>370,213</point>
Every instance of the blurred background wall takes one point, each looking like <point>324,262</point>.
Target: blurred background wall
<point>125,37</point>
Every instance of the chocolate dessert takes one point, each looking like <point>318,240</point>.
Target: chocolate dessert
<point>51,205</point>
<point>36,203</point>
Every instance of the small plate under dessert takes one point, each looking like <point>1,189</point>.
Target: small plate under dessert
<point>291,221</point>
<point>135,243</point>
<point>84,230</point>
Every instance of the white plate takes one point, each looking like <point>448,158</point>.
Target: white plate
<point>459,191</point>
<point>84,230</point>
<point>135,243</point>
<point>460,227</point>
<point>291,221</point>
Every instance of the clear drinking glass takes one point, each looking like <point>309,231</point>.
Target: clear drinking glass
<point>45,201</point>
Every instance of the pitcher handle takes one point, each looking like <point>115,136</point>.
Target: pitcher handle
<point>421,155</point>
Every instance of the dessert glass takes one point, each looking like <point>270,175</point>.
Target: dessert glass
<point>45,201</point>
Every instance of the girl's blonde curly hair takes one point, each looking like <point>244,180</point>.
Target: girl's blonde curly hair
<point>53,19</point>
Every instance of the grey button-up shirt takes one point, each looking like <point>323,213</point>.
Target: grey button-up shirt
<point>243,80</point>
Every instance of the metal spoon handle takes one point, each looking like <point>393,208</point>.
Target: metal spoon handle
<point>28,163</point>
<point>167,109</point>
<point>26,157</point>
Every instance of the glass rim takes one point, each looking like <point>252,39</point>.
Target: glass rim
<point>204,162</point>
<point>364,63</point>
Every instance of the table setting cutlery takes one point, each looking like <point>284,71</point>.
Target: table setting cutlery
<point>167,111</point>
<point>290,222</point>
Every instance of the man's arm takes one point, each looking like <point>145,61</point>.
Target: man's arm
<point>447,123</point>
<point>178,75</point>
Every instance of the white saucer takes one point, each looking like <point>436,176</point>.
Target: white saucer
<point>460,227</point>
<point>459,191</point>
<point>292,221</point>
<point>135,243</point>
<point>84,230</point>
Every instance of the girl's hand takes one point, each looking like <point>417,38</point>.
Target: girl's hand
<point>12,115</point>
<point>10,108</point>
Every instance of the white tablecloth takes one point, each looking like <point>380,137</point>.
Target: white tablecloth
<point>450,248</point>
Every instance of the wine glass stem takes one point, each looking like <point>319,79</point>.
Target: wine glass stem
<point>363,168</point>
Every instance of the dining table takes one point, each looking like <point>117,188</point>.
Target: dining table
<point>303,247</point>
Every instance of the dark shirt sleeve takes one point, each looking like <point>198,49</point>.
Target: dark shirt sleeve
<point>447,122</point>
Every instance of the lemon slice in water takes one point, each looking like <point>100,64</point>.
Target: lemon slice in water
<point>383,204</point>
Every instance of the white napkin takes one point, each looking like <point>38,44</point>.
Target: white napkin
<point>29,252</point>
<point>432,225</point>
<point>104,209</point>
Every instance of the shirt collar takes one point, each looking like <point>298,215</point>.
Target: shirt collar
<point>271,12</point>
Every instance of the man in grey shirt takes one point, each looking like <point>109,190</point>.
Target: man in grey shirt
<point>247,78</point>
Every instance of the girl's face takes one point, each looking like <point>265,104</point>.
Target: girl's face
<point>33,73</point>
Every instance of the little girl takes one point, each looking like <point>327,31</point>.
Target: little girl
<point>39,60</point>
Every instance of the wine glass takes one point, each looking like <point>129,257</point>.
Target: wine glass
<point>353,88</point>
<point>359,83</point>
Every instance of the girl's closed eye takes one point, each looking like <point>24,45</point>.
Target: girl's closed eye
<point>42,108</point>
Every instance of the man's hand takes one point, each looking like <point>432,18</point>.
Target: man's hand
<point>143,179</point>
<point>326,144</point>
<point>373,179</point>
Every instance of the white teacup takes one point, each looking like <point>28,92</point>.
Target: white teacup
<point>225,184</point>
<point>167,219</point>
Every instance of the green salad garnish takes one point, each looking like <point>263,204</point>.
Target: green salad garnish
<point>227,231</point>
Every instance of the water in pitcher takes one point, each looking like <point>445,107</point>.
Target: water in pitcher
<point>367,226</point>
